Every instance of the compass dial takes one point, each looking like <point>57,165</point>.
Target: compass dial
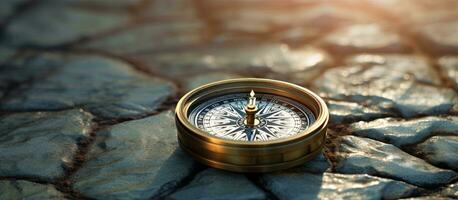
<point>276,117</point>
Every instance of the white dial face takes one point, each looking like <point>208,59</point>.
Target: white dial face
<point>276,117</point>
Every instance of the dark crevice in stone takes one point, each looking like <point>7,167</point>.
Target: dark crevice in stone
<point>15,87</point>
<point>407,148</point>
<point>67,46</point>
<point>411,149</point>
<point>412,38</point>
<point>332,142</point>
<point>348,52</point>
<point>7,112</point>
<point>26,178</point>
<point>18,10</point>
<point>167,105</point>
<point>136,65</point>
<point>64,188</point>
<point>55,48</point>
<point>64,183</point>
<point>389,176</point>
<point>260,183</point>
<point>116,30</point>
<point>393,112</point>
<point>445,79</point>
<point>140,7</point>
<point>196,169</point>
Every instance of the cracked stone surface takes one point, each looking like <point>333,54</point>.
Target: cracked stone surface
<point>8,8</point>
<point>361,155</point>
<point>137,159</point>
<point>389,89</point>
<point>45,140</point>
<point>405,132</point>
<point>442,36</point>
<point>108,88</point>
<point>248,20</point>
<point>216,184</point>
<point>365,38</point>
<point>332,185</point>
<point>172,8</point>
<point>449,66</point>
<point>27,190</point>
<point>342,111</point>
<point>417,66</point>
<point>277,57</point>
<point>451,191</point>
<point>436,150</point>
<point>147,37</point>
<point>39,27</point>
<point>88,89</point>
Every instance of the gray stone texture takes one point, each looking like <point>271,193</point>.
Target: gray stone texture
<point>55,23</point>
<point>360,155</point>
<point>440,150</point>
<point>107,87</point>
<point>400,132</point>
<point>138,159</point>
<point>335,186</point>
<point>216,184</point>
<point>364,38</point>
<point>390,89</point>
<point>28,190</point>
<point>41,144</point>
<point>449,66</point>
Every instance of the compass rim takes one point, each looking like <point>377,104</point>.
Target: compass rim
<point>202,93</point>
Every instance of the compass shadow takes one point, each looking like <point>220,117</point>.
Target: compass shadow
<point>176,171</point>
<point>301,182</point>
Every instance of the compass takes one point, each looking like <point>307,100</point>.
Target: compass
<point>251,124</point>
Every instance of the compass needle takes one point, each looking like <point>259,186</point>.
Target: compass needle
<point>245,124</point>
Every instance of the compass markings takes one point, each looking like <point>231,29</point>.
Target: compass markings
<point>239,112</point>
<point>279,117</point>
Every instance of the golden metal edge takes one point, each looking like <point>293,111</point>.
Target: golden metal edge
<point>252,168</point>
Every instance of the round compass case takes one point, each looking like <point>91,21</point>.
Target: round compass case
<point>251,124</point>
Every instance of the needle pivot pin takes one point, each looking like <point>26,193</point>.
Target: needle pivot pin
<point>250,110</point>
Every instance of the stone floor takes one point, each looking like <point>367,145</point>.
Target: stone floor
<point>88,87</point>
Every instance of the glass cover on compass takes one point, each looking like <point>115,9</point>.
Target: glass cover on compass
<point>274,117</point>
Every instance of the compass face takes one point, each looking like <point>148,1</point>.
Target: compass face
<point>277,117</point>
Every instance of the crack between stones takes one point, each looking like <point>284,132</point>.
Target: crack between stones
<point>414,40</point>
<point>65,183</point>
<point>18,10</point>
<point>331,145</point>
<point>27,178</point>
<point>411,149</point>
<point>168,104</point>
<point>132,63</point>
<point>388,176</point>
<point>18,86</point>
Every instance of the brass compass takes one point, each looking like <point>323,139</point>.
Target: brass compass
<point>251,124</point>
